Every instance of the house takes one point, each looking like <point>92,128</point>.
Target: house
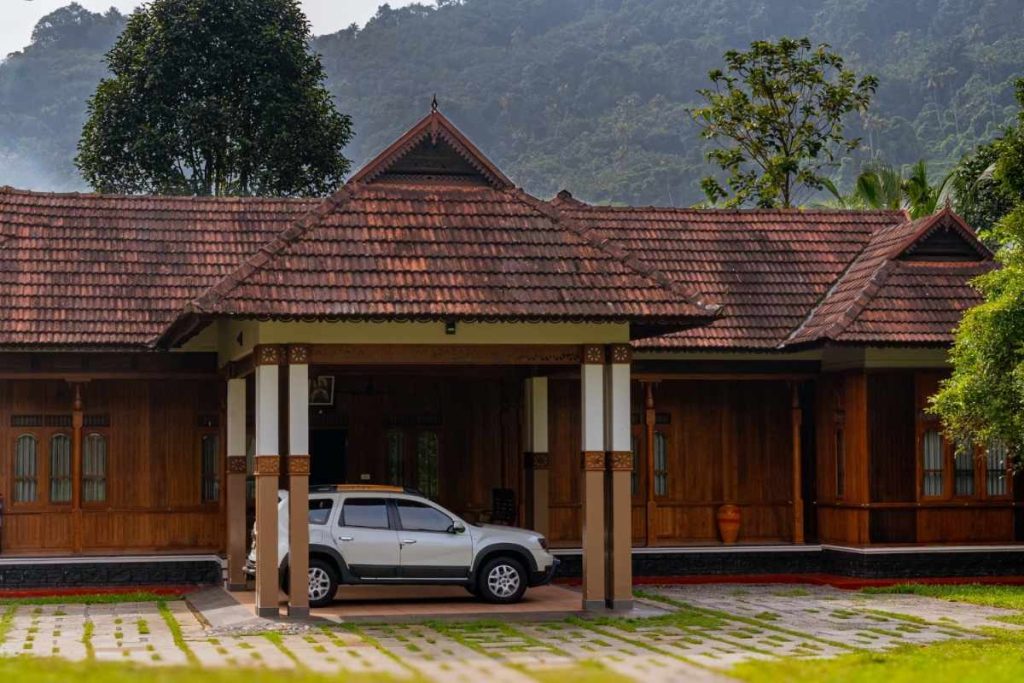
<point>618,374</point>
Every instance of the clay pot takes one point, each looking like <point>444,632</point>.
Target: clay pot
<point>729,523</point>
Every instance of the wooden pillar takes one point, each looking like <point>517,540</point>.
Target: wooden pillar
<point>537,459</point>
<point>592,484</point>
<point>235,489</point>
<point>298,481</point>
<point>619,464</point>
<point>649,420</point>
<point>77,423</point>
<point>268,472</point>
<point>798,501</point>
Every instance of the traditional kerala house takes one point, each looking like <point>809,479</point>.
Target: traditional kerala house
<point>639,383</point>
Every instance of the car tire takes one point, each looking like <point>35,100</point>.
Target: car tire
<point>472,590</point>
<point>502,580</point>
<point>323,583</point>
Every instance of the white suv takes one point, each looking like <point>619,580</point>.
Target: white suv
<point>388,535</point>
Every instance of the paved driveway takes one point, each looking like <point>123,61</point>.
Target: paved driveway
<point>702,632</point>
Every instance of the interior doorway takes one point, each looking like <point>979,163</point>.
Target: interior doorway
<point>328,454</point>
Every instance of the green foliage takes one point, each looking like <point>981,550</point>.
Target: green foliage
<point>777,113</point>
<point>984,397</point>
<point>589,95</point>
<point>880,186</point>
<point>214,97</point>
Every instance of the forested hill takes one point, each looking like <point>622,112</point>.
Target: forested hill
<point>589,95</point>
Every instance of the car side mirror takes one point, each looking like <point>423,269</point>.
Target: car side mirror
<point>456,528</point>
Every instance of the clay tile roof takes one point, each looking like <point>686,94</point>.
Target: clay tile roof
<point>89,270</point>
<point>767,268</point>
<point>444,250</point>
<point>888,295</point>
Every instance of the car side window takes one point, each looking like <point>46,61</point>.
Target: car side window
<point>419,517</point>
<point>369,513</point>
<point>320,510</point>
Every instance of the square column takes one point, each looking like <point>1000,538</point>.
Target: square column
<point>619,461</point>
<point>592,484</point>
<point>268,474</point>
<point>235,487</point>
<point>298,481</point>
<point>537,459</point>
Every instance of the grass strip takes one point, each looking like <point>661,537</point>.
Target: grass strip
<point>275,638</point>
<point>175,628</point>
<point>87,599</point>
<point>6,621</point>
<point>87,630</point>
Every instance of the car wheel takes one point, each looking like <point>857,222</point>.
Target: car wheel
<point>323,583</point>
<point>502,580</point>
<point>473,590</point>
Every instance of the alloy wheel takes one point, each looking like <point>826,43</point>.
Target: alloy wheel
<point>503,580</point>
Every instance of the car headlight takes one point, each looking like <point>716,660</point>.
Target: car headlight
<point>543,542</point>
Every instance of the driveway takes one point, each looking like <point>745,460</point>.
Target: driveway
<point>685,633</point>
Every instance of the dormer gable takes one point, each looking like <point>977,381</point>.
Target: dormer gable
<point>944,237</point>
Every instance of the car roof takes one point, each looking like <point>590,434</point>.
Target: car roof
<point>363,488</point>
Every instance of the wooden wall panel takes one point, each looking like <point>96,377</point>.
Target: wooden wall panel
<point>892,433</point>
<point>564,443</point>
<point>945,525</point>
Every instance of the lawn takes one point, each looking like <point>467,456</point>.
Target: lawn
<point>33,670</point>
<point>996,658</point>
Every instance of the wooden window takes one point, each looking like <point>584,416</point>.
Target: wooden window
<point>660,464</point>
<point>963,469</point>
<point>933,471</point>
<point>996,469</point>
<point>60,468</point>
<point>94,468</point>
<point>26,469</point>
<point>396,456</point>
<point>840,462</point>
<point>209,448</point>
<point>426,464</point>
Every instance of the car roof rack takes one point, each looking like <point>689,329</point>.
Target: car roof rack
<point>348,488</point>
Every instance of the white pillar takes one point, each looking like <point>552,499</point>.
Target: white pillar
<point>268,474</point>
<point>235,488</point>
<point>618,444</point>
<point>298,481</point>
<point>538,463</point>
<point>592,486</point>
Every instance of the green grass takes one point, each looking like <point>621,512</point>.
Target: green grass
<point>1010,597</point>
<point>997,657</point>
<point>88,599</point>
<point>175,628</point>
<point>584,672</point>
<point>52,670</point>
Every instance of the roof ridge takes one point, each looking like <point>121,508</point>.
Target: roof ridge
<point>271,249</point>
<point>839,326</point>
<point>603,244</point>
<point>74,194</point>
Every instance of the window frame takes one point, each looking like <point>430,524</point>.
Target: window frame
<point>43,432</point>
<point>37,501</point>
<point>87,432</point>
<point>665,472</point>
<point>349,499</point>
<point>1007,473</point>
<point>51,452</point>
<point>218,466</point>
<point>395,502</point>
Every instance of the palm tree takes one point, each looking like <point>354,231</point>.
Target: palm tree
<point>880,186</point>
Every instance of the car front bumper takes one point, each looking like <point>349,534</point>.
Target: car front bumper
<point>544,576</point>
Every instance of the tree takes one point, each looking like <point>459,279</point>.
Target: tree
<point>777,115</point>
<point>983,399</point>
<point>214,97</point>
<point>880,186</point>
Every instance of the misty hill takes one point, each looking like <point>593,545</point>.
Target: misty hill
<point>585,94</point>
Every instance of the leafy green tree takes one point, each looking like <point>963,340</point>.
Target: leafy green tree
<point>214,97</point>
<point>980,198</point>
<point>777,113</point>
<point>984,397</point>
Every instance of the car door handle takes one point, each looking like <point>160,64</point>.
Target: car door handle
<point>408,541</point>
<point>347,538</point>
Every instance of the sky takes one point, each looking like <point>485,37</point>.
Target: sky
<point>327,16</point>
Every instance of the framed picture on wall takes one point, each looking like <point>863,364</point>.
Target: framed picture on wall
<point>321,390</point>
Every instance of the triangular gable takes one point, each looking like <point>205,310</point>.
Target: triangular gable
<point>433,149</point>
<point>944,237</point>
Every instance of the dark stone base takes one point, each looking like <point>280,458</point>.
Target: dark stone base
<point>909,564</point>
<point>76,574</point>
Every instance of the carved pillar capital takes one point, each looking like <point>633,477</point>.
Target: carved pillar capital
<point>268,354</point>
<point>593,461</point>
<point>237,464</point>
<point>538,461</point>
<point>620,353</point>
<point>620,460</point>
<point>267,466</point>
<point>297,465</point>
<point>298,354</point>
<point>592,355</point>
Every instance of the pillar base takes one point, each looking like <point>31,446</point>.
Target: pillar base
<point>298,612</point>
<point>620,605</point>
<point>237,587</point>
<point>593,605</point>
<point>268,612</point>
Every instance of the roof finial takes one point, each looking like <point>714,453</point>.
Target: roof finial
<point>433,104</point>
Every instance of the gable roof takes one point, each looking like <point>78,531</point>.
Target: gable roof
<point>430,229</point>
<point>767,268</point>
<point>454,156</point>
<point>883,296</point>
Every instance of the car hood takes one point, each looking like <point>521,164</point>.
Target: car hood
<point>511,533</point>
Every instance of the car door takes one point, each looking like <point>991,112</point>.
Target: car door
<point>365,538</point>
<point>430,546</point>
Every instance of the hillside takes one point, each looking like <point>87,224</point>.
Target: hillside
<point>585,94</point>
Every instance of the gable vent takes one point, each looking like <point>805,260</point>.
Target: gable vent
<point>942,244</point>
